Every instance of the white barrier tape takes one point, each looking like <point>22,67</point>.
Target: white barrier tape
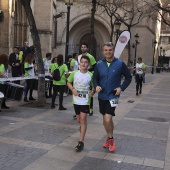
<point>147,66</point>
<point>41,75</point>
<point>20,78</point>
<point>17,78</point>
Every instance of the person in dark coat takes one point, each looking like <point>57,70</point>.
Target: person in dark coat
<point>15,61</point>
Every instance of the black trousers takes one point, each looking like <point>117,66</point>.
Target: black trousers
<point>16,75</point>
<point>3,89</point>
<point>139,80</point>
<point>56,89</point>
<point>30,87</point>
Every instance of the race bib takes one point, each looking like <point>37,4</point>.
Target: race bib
<point>114,102</point>
<point>82,94</point>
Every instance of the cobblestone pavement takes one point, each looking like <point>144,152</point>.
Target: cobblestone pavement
<point>34,138</point>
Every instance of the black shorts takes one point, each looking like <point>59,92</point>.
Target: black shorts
<point>105,107</point>
<point>81,108</point>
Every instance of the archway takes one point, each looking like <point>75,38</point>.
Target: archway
<point>80,32</point>
<point>86,39</point>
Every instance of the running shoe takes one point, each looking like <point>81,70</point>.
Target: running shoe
<point>80,146</point>
<point>112,146</point>
<point>91,112</point>
<point>106,144</point>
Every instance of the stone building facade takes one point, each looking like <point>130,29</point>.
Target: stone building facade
<point>164,44</point>
<point>14,29</point>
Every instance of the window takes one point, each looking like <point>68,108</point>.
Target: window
<point>168,28</point>
<point>168,40</point>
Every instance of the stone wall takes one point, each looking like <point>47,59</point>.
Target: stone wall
<point>4,27</point>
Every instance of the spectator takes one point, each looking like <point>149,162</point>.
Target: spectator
<point>15,61</point>
<point>59,86</point>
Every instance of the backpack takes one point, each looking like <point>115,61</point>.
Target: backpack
<point>56,74</point>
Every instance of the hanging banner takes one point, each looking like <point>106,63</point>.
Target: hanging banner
<point>121,43</point>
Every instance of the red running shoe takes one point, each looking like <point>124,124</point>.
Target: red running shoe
<point>112,146</point>
<point>106,144</point>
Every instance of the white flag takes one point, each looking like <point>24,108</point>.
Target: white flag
<point>123,39</point>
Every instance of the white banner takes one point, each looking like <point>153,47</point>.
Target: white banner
<point>121,43</point>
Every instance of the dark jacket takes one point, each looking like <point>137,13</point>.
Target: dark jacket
<point>16,70</point>
<point>109,78</point>
<point>26,51</point>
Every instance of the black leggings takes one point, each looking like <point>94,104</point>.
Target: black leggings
<point>139,80</point>
<point>60,89</point>
<point>3,89</point>
<point>29,88</point>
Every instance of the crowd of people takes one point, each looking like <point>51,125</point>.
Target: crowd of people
<point>83,76</point>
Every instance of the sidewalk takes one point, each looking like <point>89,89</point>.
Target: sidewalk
<point>44,139</point>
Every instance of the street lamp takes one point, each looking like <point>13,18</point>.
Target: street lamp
<point>160,51</point>
<point>135,46</point>
<point>160,54</point>
<point>153,62</point>
<point>68,3</point>
<point>117,28</point>
<point>55,17</point>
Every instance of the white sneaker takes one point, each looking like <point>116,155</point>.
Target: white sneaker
<point>64,94</point>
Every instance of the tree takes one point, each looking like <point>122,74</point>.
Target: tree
<point>128,12</point>
<point>37,45</point>
<point>162,8</point>
<point>93,11</point>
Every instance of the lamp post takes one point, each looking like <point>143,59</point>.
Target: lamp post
<point>160,55</point>
<point>55,17</point>
<point>68,3</point>
<point>117,28</point>
<point>135,46</point>
<point>153,62</point>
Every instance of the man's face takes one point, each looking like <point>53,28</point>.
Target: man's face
<point>108,51</point>
<point>49,58</point>
<point>26,43</point>
<point>84,64</point>
<point>84,49</point>
<point>16,51</point>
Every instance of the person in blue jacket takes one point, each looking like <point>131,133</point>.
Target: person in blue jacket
<point>107,82</point>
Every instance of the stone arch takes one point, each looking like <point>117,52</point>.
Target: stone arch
<point>82,17</point>
<point>81,28</point>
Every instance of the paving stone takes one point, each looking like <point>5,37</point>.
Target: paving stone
<point>152,107</point>
<point>99,164</point>
<point>153,163</point>
<point>136,147</point>
<point>156,91</point>
<point>41,133</point>
<point>146,114</point>
<point>45,163</point>
<point>156,100</point>
<point>21,112</point>
<point>5,122</point>
<point>150,128</point>
<point>16,157</point>
<point>65,118</point>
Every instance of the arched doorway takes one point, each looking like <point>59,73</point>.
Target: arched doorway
<point>86,39</point>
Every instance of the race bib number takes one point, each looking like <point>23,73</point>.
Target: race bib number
<point>85,96</point>
<point>114,102</point>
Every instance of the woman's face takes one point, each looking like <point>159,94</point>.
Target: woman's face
<point>55,60</point>
<point>139,61</point>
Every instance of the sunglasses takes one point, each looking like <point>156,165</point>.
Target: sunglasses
<point>109,43</point>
